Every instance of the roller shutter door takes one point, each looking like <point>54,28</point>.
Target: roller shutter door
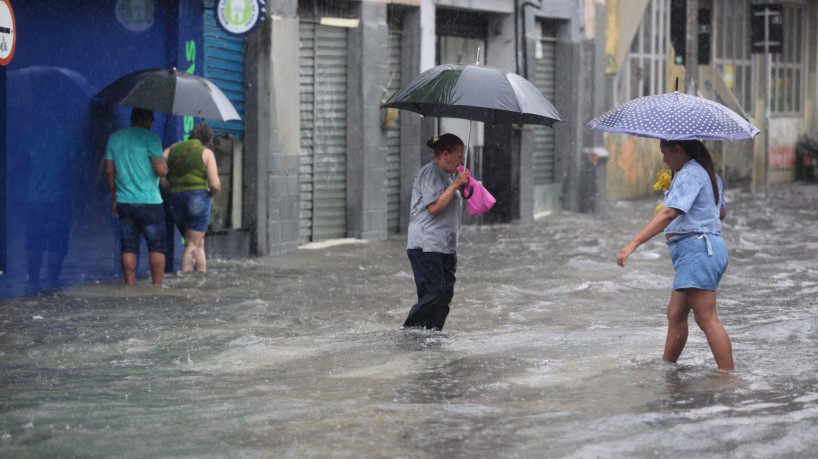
<point>322,176</point>
<point>544,136</point>
<point>223,61</point>
<point>547,188</point>
<point>393,137</point>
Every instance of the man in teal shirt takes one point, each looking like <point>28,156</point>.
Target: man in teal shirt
<point>134,161</point>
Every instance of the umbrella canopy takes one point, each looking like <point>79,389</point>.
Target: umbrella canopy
<point>173,92</point>
<point>475,92</point>
<point>675,116</point>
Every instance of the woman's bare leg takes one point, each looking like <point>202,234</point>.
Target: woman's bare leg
<point>703,303</point>
<point>200,264</point>
<point>193,257</point>
<point>677,312</point>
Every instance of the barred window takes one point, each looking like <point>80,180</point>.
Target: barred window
<point>645,70</point>
<point>735,61</point>
<point>733,49</point>
<point>787,83</point>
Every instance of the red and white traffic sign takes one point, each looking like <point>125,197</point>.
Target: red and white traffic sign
<point>8,32</point>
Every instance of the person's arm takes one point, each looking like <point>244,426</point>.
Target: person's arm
<point>655,226</point>
<point>722,207</point>
<point>213,181</point>
<point>110,175</point>
<point>437,207</point>
<point>160,165</point>
<point>164,184</point>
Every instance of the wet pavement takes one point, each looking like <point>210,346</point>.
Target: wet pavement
<point>550,350</point>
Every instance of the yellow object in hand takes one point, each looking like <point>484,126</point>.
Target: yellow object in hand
<point>663,179</point>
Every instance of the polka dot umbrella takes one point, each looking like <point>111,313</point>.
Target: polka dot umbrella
<point>675,116</point>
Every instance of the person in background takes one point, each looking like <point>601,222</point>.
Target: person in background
<point>194,178</point>
<point>691,222</point>
<point>133,165</point>
<point>170,227</point>
<point>434,226</point>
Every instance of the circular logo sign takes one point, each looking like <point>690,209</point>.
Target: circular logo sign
<point>8,32</point>
<point>239,17</point>
<point>135,15</point>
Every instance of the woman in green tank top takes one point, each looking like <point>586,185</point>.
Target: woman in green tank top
<point>194,179</point>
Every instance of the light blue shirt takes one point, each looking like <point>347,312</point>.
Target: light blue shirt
<point>131,150</point>
<point>433,233</point>
<point>692,193</point>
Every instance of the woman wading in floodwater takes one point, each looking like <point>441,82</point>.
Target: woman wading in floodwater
<point>434,225</point>
<point>690,220</point>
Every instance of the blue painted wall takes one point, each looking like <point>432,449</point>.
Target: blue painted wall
<point>53,132</point>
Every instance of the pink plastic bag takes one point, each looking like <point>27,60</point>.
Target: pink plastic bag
<point>478,199</point>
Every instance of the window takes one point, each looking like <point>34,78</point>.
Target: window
<point>733,49</point>
<point>645,69</point>
<point>787,67</point>
<point>735,61</point>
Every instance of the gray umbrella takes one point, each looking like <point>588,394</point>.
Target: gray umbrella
<point>475,92</point>
<point>173,92</point>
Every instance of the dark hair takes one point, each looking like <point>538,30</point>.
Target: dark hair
<point>445,142</point>
<point>696,150</point>
<point>203,132</point>
<point>139,115</point>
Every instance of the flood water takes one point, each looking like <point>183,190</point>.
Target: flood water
<point>550,350</point>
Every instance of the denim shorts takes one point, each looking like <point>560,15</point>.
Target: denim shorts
<point>191,209</point>
<point>147,220</point>
<point>699,260</point>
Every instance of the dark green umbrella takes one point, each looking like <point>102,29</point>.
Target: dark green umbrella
<point>173,92</point>
<point>475,92</point>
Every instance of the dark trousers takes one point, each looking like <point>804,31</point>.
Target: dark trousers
<point>434,279</point>
<point>170,228</point>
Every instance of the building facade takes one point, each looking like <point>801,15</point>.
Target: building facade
<point>314,157</point>
<point>56,226</point>
<point>650,51</point>
<point>343,167</point>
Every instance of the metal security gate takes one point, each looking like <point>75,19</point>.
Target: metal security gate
<point>322,162</point>
<point>223,61</point>
<point>393,137</point>
<point>547,193</point>
<point>223,65</point>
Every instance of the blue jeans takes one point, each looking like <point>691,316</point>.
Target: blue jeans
<point>191,210</point>
<point>699,260</point>
<point>145,219</point>
<point>434,279</point>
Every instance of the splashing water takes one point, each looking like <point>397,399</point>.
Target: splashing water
<point>550,350</point>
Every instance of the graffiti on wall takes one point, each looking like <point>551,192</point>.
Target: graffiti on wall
<point>632,166</point>
<point>782,157</point>
<point>784,133</point>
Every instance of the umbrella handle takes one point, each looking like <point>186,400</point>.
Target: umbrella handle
<point>463,191</point>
